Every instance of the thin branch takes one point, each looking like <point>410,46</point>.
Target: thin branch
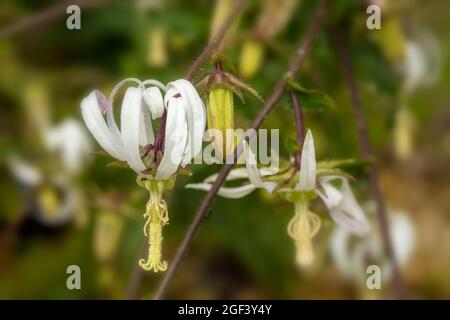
<point>216,40</point>
<point>270,103</point>
<point>137,272</point>
<point>45,16</point>
<point>348,73</point>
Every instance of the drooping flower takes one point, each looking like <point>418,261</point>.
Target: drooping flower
<point>311,181</point>
<point>155,159</point>
<point>351,257</point>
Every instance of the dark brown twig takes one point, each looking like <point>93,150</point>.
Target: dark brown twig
<point>348,73</point>
<point>137,272</point>
<point>216,40</point>
<point>268,106</point>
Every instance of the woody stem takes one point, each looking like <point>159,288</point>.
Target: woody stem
<point>349,77</point>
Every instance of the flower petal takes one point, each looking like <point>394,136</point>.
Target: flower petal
<point>110,110</point>
<point>308,165</point>
<point>154,100</point>
<point>231,193</point>
<point>343,208</point>
<point>195,115</point>
<point>175,139</point>
<point>130,120</point>
<point>253,172</point>
<point>332,196</point>
<point>92,115</point>
<point>239,173</point>
<point>146,135</point>
<point>353,210</point>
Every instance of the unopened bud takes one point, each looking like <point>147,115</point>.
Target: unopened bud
<point>220,120</point>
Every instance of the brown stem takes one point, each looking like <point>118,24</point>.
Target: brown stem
<point>48,15</point>
<point>299,127</point>
<point>137,272</point>
<point>216,40</point>
<point>348,73</point>
<point>270,103</point>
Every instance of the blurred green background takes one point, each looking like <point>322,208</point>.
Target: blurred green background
<point>86,214</point>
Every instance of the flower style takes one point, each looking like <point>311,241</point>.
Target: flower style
<point>155,159</point>
<point>300,187</point>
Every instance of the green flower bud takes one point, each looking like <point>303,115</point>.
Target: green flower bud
<point>220,119</point>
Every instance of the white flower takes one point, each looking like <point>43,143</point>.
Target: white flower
<point>351,260</point>
<point>71,142</point>
<point>183,131</point>
<point>178,141</point>
<point>341,203</point>
<point>423,61</point>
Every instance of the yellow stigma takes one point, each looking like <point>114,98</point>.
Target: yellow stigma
<point>302,228</point>
<point>221,120</point>
<point>251,58</point>
<point>156,216</point>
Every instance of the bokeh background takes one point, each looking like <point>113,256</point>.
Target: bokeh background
<point>60,205</point>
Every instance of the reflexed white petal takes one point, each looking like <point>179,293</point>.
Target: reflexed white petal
<point>175,139</point>
<point>195,115</point>
<point>154,100</point>
<point>308,165</point>
<point>92,115</point>
<point>146,135</point>
<point>239,173</point>
<point>343,208</point>
<point>353,209</point>
<point>332,196</point>
<point>130,118</point>
<point>346,221</point>
<point>253,172</point>
<point>231,193</point>
<point>110,110</point>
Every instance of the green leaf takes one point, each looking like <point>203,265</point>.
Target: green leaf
<point>312,99</point>
<point>291,145</point>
